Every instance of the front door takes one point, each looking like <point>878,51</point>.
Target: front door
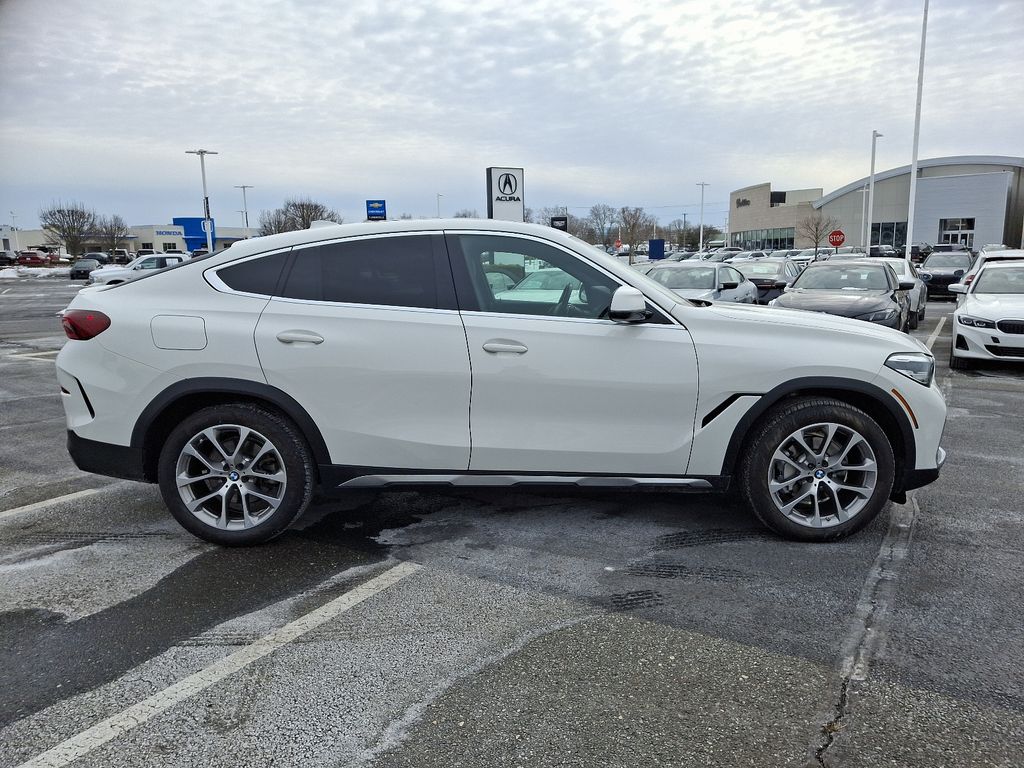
<point>558,387</point>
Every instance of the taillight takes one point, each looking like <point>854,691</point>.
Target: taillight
<point>83,324</point>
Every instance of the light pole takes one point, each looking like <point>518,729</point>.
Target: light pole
<point>684,231</point>
<point>917,134</point>
<point>875,136</point>
<point>206,198</point>
<point>439,196</point>
<point>701,184</point>
<point>14,230</point>
<point>863,215</point>
<point>245,206</point>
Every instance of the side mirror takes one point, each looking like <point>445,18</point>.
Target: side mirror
<point>958,273</point>
<point>957,288</point>
<point>628,305</point>
<point>906,285</point>
<point>925,277</point>
<point>782,283</point>
<point>728,286</point>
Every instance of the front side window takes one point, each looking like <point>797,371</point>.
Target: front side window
<point>547,280</point>
<point>385,271</point>
<point>147,264</point>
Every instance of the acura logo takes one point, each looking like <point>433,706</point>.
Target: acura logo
<point>507,184</point>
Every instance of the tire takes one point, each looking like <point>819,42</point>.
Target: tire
<point>915,320</point>
<point>839,512</point>
<point>259,456</point>
<point>958,363</point>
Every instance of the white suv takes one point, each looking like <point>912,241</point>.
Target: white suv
<point>134,269</point>
<point>377,355</point>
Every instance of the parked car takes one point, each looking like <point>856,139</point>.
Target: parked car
<point>704,281</point>
<point>746,256</point>
<point>918,252</point>
<point>547,285</point>
<point>881,250</point>
<point>33,259</point>
<point>918,295</point>
<point>344,356</point>
<point>80,269</point>
<point>989,323</point>
<point>499,281</point>
<point>943,268</point>
<point>770,276</point>
<point>7,258</point>
<point>120,256</point>
<point>986,257</point>
<point>807,255</point>
<point>863,290</point>
<point>134,269</point>
<point>101,256</point>
<point>784,253</point>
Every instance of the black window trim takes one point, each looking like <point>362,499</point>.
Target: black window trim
<point>214,280</point>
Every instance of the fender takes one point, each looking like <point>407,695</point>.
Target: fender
<point>225,386</point>
<point>814,386</point>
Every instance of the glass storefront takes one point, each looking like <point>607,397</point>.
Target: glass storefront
<point>892,233</point>
<point>763,239</point>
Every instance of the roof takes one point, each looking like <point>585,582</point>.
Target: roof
<point>932,162</point>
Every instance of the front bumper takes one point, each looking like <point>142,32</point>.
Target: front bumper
<point>987,343</point>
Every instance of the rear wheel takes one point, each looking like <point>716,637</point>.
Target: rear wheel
<point>817,470</point>
<point>236,474</point>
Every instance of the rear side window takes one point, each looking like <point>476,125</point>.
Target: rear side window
<point>385,271</point>
<point>258,276</point>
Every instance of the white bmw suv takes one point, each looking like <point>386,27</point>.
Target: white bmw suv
<point>377,355</point>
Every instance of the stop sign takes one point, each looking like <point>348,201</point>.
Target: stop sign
<point>618,243</point>
<point>836,238</point>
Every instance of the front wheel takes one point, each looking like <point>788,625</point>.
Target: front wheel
<point>817,470</point>
<point>958,363</point>
<point>236,474</point>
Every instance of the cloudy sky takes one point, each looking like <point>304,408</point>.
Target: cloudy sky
<point>625,102</point>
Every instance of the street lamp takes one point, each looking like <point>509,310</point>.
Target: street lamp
<point>917,134</point>
<point>701,184</point>
<point>875,136</point>
<point>245,206</point>
<point>14,230</point>
<point>206,198</point>
<point>439,196</point>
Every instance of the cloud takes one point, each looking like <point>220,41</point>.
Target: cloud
<point>625,103</point>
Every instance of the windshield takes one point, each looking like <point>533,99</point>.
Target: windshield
<point>899,266</point>
<point>843,278</point>
<point>697,277</point>
<point>544,280</point>
<point>761,269</point>
<point>1002,280</point>
<point>956,260</point>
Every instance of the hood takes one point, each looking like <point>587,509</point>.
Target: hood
<point>704,294</point>
<point>994,306</point>
<point>820,323</point>
<point>844,303</point>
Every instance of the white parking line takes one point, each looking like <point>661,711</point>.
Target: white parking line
<point>99,734</point>
<point>936,332</point>
<point>6,290</point>
<point>9,513</point>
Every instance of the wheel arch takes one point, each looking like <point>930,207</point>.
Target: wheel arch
<point>185,397</point>
<point>871,399</point>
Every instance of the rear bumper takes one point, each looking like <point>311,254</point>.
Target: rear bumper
<point>105,459</point>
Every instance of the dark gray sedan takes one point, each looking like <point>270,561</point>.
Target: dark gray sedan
<point>704,280</point>
<point>80,269</point>
<point>769,275</point>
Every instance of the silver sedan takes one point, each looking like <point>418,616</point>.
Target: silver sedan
<point>704,280</point>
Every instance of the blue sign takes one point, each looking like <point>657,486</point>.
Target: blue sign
<point>376,210</point>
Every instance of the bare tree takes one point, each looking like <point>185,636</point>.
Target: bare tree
<point>467,213</point>
<point>637,225</point>
<point>528,215</point>
<point>112,232</point>
<point>602,218</point>
<point>816,228</point>
<point>296,213</point>
<point>67,224</point>
<point>272,222</point>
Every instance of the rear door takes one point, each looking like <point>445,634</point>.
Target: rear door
<point>365,335</point>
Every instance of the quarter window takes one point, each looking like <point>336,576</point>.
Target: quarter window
<point>258,276</point>
<point>387,271</point>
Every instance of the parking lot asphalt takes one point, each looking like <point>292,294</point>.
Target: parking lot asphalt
<point>511,628</point>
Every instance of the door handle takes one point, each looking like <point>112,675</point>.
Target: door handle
<point>497,345</point>
<point>299,337</point>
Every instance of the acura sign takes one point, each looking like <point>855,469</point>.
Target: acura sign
<point>505,194</point>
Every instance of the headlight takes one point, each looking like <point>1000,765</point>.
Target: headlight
<point>881,316</point>
<point>914,365</point>
<point>975,322</point>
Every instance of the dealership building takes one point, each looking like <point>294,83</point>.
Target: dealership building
<point>970,199</point>
<point>184,233</point>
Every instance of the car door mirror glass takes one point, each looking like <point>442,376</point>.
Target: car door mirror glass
<point>728,285</point>
<point>906,285</point>
<point>781,283</point>
<point>628,305</point>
